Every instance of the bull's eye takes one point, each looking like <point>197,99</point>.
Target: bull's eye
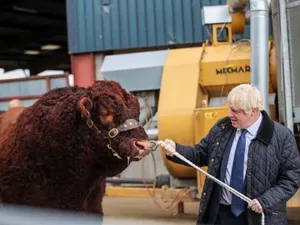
<point>105,114</point>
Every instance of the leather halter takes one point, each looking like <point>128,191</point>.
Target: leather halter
<point>129,124</point>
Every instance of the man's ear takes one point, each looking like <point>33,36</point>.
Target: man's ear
<point>84,106</point>
<point>253,111</point>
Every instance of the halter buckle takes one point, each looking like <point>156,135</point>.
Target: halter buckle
<point>90,123</point>
<point>113,133</point>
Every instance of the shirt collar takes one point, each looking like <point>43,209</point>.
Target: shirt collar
<point>255,126</point>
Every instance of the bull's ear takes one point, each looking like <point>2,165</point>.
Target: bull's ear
<point>84,106</point>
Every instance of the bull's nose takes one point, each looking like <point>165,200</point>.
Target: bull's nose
<point>142,149</point>
<point>143,145</point>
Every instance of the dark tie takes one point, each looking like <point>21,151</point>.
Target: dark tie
<point>237,177</point>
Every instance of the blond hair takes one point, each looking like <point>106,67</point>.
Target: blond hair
<point>14,103</point>
<point>245,97</point>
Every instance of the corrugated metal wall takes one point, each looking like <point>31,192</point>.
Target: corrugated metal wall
<point>101,25</point>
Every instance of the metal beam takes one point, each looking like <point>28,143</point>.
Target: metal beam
<point>7,45</point>
<point>286,65</point>
<point>36,63</point>
<point>30,28</point>
<point>25,58</point>
<point>5,63</point>
<point>51,18</point>
<point>44,8</point>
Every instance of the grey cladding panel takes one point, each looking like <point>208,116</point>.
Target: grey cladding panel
<point>137,71</point>
<point>137,79</point>
<point>31,87</point>
<point>58,82</point>
<point>26,102</point>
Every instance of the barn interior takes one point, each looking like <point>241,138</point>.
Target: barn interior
<point>33,35</point>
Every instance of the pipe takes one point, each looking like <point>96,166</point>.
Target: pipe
<point>248,13</point>
<point>259,30</point>
<point>161,180</point>
<point>129,181</point>
<point>285,66</point>
<point>240,5</point>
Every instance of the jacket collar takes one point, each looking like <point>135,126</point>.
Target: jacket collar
<point>265,131</point>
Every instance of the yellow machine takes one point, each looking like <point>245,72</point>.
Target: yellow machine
<point>194,77</point>
<point>195,84</point>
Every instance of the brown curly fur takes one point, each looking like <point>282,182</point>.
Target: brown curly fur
<point>51,158</point>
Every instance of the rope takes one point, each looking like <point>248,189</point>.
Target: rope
<point>233,191</point>
<point>178,198</point>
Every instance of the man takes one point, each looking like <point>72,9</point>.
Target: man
<point>7,118</point>
<point>253,154</point>
<point>14,103</point>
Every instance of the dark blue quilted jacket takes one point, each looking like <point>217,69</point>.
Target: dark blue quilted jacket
<point>273,171</point>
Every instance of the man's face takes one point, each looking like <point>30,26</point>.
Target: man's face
<point>239,118</point>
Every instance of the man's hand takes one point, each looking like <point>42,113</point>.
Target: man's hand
<point>255,206</point>
<point>169,146</point>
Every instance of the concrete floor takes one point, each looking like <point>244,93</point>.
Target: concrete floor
<point>137,211</point>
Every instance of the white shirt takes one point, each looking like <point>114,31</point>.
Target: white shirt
<point>251,133</point>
